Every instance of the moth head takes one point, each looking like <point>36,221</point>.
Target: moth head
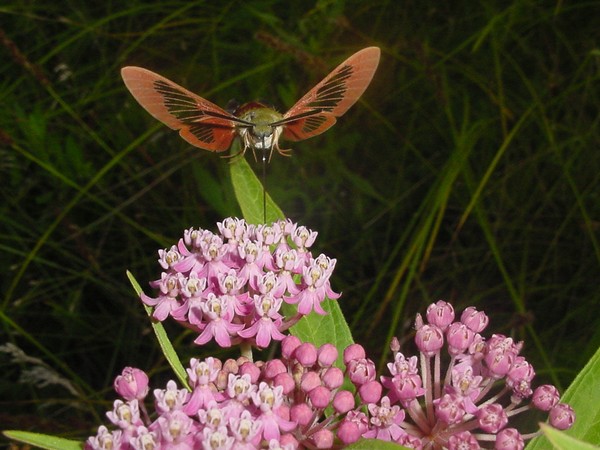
<point>262,134</point>
<point>261,137</point>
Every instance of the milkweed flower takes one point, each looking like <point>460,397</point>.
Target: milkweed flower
<point>132,384</point>
<point>440,399</point>
<point>278,404</point>
<point>462,390</point>
<point>229,286</point>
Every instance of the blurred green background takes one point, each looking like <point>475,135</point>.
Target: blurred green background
<point>469,171</point>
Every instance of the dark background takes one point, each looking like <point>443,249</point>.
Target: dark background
<point>469,171</point>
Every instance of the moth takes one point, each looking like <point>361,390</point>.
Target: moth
<point>205,125</point>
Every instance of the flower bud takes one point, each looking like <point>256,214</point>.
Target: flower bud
<point>286,381</point>
<point>407,387</point>
<point>475,320</point>
<point>306,354</point>
<point>492,418</point>
<point>429,339</point>
<point>459,337</point>
<point>562,416</point>
<point>333,378</point>
<point>354,351</point>
<point>273,367</point>
<point>361,370</point>
<point>501,353</point>
<point>509,439</point>
<point>545,397</point>
<point>288,441</point>
<point>320,397</point>
<point>310,380</point>
<point>301,413</point>
<point>231,366</point>
<point>348,432</point>
<point>449,408</point>
<point>343,401</point>
<point>251,369</point>
<point>520,370</point>
<point>289,345</point>
<point>463,440</point>
<point>283,412</point>
<point>132,384</point>
<point>440,314</point>
<point>323,438</point>
<point>327,354</point>
<point>221,380</point>
<point>395,345</point>
<point>370,392</point>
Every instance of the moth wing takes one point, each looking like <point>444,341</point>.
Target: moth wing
<point>308,126</point>
<point>200,122</point>
<point>332,97</point>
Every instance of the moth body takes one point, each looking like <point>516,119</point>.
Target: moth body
<point>264,134</point>
<point>206,125</point>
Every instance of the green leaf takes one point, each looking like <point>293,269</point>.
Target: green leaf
<point>584,397</point>
<point>43,440</point>
<point>562,441</point>
<point>163,339</point>
<point>320,330</point>
<point>374,444</point>
<point>314,328</point>
<point>249,194</point>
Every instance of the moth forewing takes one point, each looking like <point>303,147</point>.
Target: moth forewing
<point>317,110</point>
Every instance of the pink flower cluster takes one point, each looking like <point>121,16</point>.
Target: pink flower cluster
<point>230,286</point>
<point>300,401</point>
<point>468,406</point>
<point>237,404</point>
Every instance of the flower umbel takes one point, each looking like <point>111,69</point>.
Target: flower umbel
<point>282,403</point>
<point>230,286</point>
<point>462,391</point>
<point>486,383</point>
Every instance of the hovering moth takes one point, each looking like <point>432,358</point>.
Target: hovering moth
<point>205,125</point>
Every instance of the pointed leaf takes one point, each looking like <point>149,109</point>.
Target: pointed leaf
<point>249,194</point>
<point>163,339</point>
<point>584,397</point>
<point>371,444</point>
<point>320,330</point>
<point>43,440</point>
<point>562,441</point>
<point>314,328</point>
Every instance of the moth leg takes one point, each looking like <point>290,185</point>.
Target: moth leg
<point>281,151</point>
<point>233,158</point>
